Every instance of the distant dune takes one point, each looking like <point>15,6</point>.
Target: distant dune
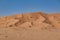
<point>30,26</point>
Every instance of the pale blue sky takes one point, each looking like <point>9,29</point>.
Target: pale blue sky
<point>8,7</point>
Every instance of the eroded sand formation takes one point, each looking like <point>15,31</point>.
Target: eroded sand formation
<point>30,26</point>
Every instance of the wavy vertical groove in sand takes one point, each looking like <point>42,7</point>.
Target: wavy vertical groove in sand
<point>30,26</point>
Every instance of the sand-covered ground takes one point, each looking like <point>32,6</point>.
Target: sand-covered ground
<point>30,26</point>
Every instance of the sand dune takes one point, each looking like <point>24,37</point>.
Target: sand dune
<point>30,26</point>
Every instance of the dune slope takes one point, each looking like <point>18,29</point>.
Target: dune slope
<point>30,26</point>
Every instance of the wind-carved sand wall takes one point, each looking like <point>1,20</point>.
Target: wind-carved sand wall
<point>38,18</point>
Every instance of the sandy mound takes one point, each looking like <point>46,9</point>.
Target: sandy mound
<point>30,26</point>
